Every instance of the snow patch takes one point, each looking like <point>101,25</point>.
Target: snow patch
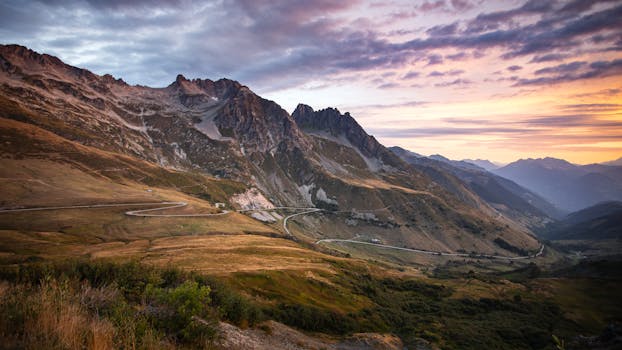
<point>251,199</point>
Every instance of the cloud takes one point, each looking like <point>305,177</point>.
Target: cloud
<point>428,6</point>
<point>460,56</point>
<point>151,41</point>
<point>595,107</point>
<point>445,131</point>
<point>457,82</point>
<point>389,86</point>
<point>548,57</point>
<point>451,73</point>
<point>387,105</point>
<point>493,20</point>
<point>574,71</point>
<point>514,68</point>
<point>411,75</point>
<point>442,30</point>
<point>568,121</point>
<point>562,68</point>
<point>434,59</point>
<point>600,93</point>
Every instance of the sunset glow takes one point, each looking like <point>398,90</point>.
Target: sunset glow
<point>499,80</point>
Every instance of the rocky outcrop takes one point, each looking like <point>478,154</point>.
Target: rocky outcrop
<point>345,127</point>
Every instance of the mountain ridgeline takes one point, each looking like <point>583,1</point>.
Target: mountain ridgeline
<point>568,186</point>
<point>601,221</point>
<point>308,159</point>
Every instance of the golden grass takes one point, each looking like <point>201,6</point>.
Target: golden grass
<point>213,254</point>
<point>56,320</point>
<point>224,254</point>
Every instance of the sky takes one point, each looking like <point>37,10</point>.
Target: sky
<point>492,79</point>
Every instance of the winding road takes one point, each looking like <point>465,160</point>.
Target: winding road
<point>167,205</point>
<point>430,252</point>
<point>306,210</point>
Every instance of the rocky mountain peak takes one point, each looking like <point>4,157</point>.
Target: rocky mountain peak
<point>111,80</point>
<point>16,59</point>
<point>28,55</point>
<point>331,121</point>
<point>303,110</point>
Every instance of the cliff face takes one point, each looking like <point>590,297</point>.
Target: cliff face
<point>337,125</point>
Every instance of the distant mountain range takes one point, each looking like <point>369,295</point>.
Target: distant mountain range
<point>568,186</point>
<point>483,163</point>
<point>602,221</point>
<point>506,196</point>
<point>617,162</point>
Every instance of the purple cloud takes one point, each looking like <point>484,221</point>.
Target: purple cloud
<point>575,71</point>
<point>434,59</point>
<point>411,75</point>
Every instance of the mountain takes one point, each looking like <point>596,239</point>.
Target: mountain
<point>601,221</point>
<point>456,163</point>
<point>617,162</point>
<point>482,163</point>
<point>568,186</point>
<point>504,195</point>
<point>222,132</point>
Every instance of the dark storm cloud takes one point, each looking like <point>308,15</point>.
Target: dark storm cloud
<point>151,41</point>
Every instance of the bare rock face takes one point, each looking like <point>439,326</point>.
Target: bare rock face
<point>331,121</point>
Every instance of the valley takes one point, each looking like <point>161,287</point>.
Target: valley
<point>301,231</point>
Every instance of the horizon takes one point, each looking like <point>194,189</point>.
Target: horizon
<point>495,80</point>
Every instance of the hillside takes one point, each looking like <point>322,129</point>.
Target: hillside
<point>504,195</point>
<point>601,221</point>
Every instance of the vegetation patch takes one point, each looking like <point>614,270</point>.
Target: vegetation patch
<point>76,305</point>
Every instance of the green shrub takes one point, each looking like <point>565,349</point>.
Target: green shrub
<point>184,311</point>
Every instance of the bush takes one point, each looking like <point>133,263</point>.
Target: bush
<point>142,306</point>
<point>183,311</point>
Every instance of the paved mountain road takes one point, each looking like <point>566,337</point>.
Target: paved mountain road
<point>430,252</point>
<point>307,210</point>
